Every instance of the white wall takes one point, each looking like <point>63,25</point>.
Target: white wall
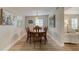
<point>9,34</point>
<point>57,33</point>
<point>17,21</point>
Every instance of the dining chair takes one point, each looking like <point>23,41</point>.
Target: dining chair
<point>45,34</point>
<point>37,28</point>
<point>41,38</point>
<point>36,38</point>
<point>28,35</point>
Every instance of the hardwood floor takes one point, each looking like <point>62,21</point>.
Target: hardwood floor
<point>22,45</point>
<point>71,47</point>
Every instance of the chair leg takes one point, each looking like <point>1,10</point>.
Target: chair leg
<point>40,43</point>
<point>30,40</point>
<point>27,39</point>
<point>34,44</point>
<point>45,40</point>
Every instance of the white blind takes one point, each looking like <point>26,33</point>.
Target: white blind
<point>39,22</point>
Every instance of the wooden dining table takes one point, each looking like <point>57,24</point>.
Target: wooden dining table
<point>41,30</point>
<point>37,36</point>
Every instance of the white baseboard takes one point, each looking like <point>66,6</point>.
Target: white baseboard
<point>8,47</point>
<point>58,43</point>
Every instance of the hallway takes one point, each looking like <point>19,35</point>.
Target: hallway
<point>22,45</point>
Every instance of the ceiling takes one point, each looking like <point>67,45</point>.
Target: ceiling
<point>30,11</point>
<point>71,10</point>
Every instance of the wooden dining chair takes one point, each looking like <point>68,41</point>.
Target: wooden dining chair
<point>37,38</point>
<point>45,34</point>
<point>34,37</point>
<point>28,35</point>
<point>41,38</point>
<point>37,28</point>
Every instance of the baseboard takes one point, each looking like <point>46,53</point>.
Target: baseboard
<point>58,43</point>
<point>8,47</point>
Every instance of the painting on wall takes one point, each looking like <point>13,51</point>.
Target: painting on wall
<point>7,18</point>
<point>52,21</point>
<point>30,21</point>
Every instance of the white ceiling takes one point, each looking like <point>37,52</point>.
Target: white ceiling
<point>30,11</point>
<point>71,10</point>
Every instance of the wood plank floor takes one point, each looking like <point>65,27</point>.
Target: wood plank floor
<point>22,45</point>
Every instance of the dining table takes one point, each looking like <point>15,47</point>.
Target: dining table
<point>41,30</point>
<point>37,36</point>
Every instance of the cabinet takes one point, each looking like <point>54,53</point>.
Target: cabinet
<point>71,38</point>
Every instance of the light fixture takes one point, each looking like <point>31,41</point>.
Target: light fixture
<point>67,24</point>
<point>36,17</point>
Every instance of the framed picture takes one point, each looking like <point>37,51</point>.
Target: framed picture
<point>30,21</point>
<point>7,18</point>
<point>52,21</point>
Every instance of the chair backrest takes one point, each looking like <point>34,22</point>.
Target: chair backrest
<point>45,28</point>
<point>27,30</point>
<point>37,28</point>
<point>41,34</point>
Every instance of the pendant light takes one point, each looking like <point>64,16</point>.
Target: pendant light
<point>36,17</point>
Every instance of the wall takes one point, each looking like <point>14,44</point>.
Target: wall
<point>19,21</point>
<point>7,40</point>
<point>14,20</point>
<point>44,17</point>
<point>57,33</point>
<point>15,31</point>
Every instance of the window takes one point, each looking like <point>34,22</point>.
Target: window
<point>74,23</point>
<point>39,22</point>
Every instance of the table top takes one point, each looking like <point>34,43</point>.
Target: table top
<point>39,30</point>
